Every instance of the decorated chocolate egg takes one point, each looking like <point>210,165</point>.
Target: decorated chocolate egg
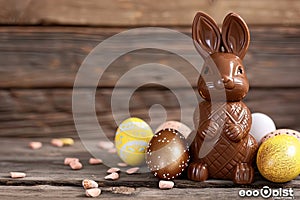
<point>278,158</point>
<point>131,140</point>
<point>167,154</point>
<point>261,125</point>
<point>291,132</point>
<point>178,126</point>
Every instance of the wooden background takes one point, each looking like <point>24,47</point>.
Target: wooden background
<point>43,43</point>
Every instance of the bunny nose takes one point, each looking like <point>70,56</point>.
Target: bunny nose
<point>225,79</point>
<point>228,82</point>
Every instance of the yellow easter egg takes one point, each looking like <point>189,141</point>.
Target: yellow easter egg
<point>131,140</point>
<point>278,158</point>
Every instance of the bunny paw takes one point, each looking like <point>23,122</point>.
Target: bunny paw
<point>234,133</point>
<point>197,171</point>
<point>243,174</point>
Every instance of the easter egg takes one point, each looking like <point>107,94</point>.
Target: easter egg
<point>261,125</point>
<point>131,140</point>
<point>291,132</point>
<point>167,154</point>
<point>278,158</point>
<point>178,126</point>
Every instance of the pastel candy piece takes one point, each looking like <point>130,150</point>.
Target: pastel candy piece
<point>178,126</point>
<point>166,184</point>
<point>68,160</point>
<point>112,176</point>
<point>67,141</point>
<point>132,170</point>
<point>291,132</point>
<point>88,184</point>
<point>17,175</point>
<point>93,192</point>
<point>95,161</point>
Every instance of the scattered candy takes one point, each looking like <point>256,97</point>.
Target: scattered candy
<point>95,161</point>
<point>67,161</point>
<point>93,192</point>
<point>57,143</point>
<point>131,140</point>
<point>166,184</point>
<point>75,165</point>
<point>122,164</point>
<point>278,158</point>
<point>132,170</point>
<point>106,145</point>
<point>112,176</point>
<point>88,184</point>
<point>67,141</point>
<point>35,145</point>
<point>113,169</point>
<point>17,175</point>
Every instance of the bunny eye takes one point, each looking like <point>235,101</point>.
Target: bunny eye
<point>239,71</point>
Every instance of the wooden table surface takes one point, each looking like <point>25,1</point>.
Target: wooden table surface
<point>48,178</point>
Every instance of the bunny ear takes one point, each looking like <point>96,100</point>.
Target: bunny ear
<point>235,35</point>
<point>206,33</point>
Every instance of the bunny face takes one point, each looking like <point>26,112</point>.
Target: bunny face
<point>230,76</point>
<point>223,54</point>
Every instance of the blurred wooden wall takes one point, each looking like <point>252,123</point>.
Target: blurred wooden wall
<point>43,43</point>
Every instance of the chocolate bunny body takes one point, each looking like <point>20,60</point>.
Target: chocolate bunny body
<point>222,147</point>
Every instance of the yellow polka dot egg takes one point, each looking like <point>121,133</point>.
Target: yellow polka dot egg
<point>131,140</point>
<point>278,158</point>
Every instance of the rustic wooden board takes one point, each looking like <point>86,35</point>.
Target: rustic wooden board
<point>108,193</point>
<point>143,12</point>
<point>45,167</point>
<point>48,178</point>
<point>39,57</point>
<point>48,112</point>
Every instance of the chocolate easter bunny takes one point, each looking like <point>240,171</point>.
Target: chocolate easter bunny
<point>224,127</point>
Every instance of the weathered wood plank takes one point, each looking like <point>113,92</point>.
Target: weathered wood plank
<point>45,167</point>
<point>48,112</point>
<point>68,192</point>
<point>35,57</point>
<point>143,12</point>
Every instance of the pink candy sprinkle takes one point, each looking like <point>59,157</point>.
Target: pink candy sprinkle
<point>95,161</point>
<point>35,145</point>
<point>75,165</point>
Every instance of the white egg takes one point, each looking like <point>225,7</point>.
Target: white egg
<point>261,125</point>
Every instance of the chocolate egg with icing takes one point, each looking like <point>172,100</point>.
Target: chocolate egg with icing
<point>167,154</point>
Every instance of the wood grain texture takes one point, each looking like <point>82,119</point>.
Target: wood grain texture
<point>143,12</point>
<point>68,192</point>
<point>45,167</point>
<point>38,57</point>
<point>48,112</point>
